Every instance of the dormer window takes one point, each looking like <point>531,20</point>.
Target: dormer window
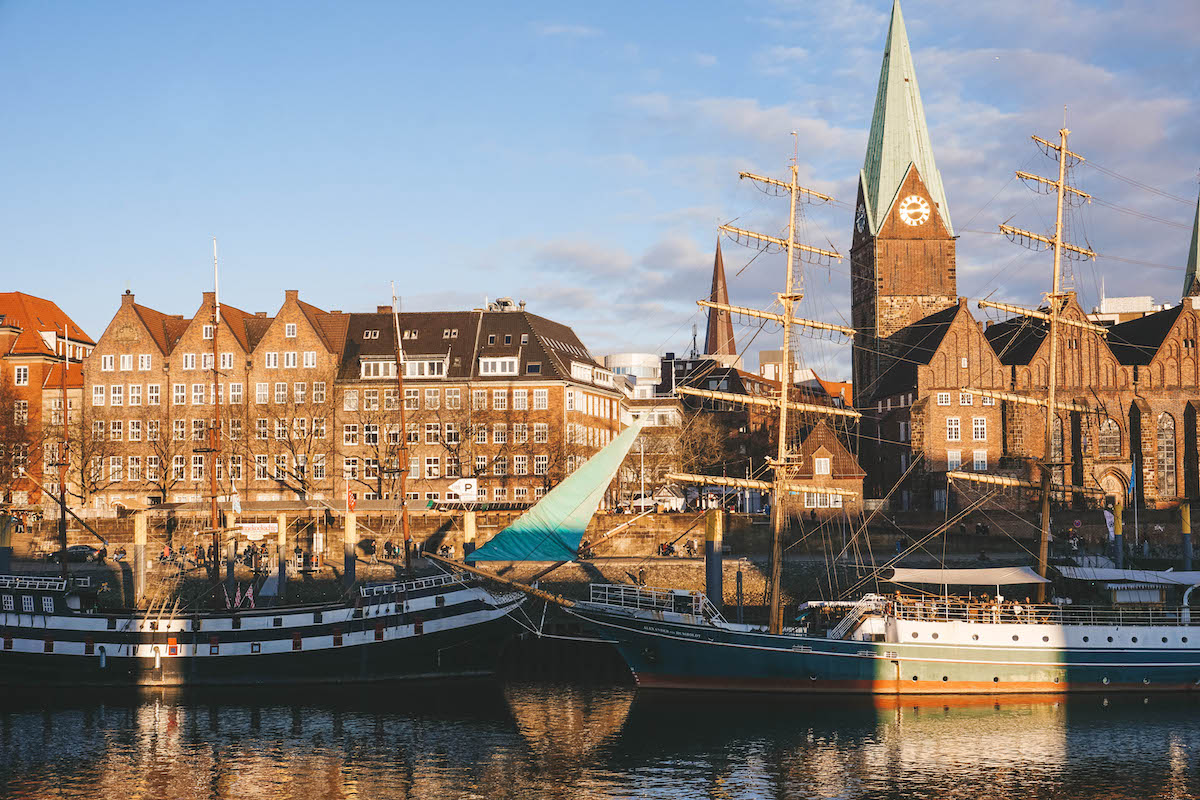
<point>378,369</point>
<point>508,338</point>
<point>491,338</point>
<point>524,338</point>
<point>498,366</point>
<point>446,333</point>
<point>370,335</point>
<point>821,466</point>
<point>410,334</point>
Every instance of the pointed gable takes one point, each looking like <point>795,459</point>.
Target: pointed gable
<point>899,137</point>
<point>823,442</point>
<point>718,333</point>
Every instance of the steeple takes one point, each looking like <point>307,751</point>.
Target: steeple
<point>1191,281</point>
<point>899,137</point>
<point>718,333</point>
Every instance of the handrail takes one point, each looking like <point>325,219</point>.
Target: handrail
<point>377,589</point>
<point>939,610</point>
<point>678,601</point>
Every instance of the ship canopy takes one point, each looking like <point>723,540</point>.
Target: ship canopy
<point>552,529</point>
<point>984,576</point>
<point>1140,576</point>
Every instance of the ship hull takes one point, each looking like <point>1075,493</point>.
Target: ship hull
<point>679,655</point>
<point>447,630</point>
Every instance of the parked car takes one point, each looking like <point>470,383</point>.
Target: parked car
<point>76,552</point>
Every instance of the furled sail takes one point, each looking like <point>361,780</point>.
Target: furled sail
<point>552,529</point>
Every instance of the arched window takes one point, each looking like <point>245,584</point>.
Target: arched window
<point>1110,439</point>
<point>1166,456</point>
<point>1056,451</point>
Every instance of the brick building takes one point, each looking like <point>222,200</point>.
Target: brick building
<point>307,404</point>
<point>1133,394</point>
<point>41,350</point>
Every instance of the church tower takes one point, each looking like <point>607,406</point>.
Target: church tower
<point>902,259</point>
<point>718,333</point>
<point>1191,281</point>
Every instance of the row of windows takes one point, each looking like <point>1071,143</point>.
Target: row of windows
<point>188,361</point>
<point>964,399</point>
<point>27,604</point>
<point>954,460</point>
<point>822,500</point>
<point>591,405</point>
<point>136,394</point>
<point>129,468</point>
<point>978,429</point>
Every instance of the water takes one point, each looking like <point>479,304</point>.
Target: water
<point>551,740</point>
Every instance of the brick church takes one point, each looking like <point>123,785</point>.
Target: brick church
<point>1133,397</point>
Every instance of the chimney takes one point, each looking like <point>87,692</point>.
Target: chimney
<point>127,298</point>
<point>291,294</point>
<point>210,298</point>
<point>260,314</point>
<point>522,305</point>
<point>383,309</point>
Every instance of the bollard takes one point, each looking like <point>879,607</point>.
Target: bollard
<point>468,533</point>
<point>281,555</point>
<point>714,535</point>
<point>739,592</point>
<point>350,559</point>
<point>139,557</point>
<point>1118,536</point>
<point>1185,515</point>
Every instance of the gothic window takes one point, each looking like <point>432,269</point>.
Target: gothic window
<point>1056,451</point>
<point>1110,439</point>
<point>1166,456</point>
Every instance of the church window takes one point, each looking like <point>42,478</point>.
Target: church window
<point>1110,439</point>
<point>1166,456</point>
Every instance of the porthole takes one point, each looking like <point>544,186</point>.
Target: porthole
<point>935,636</point>
<point>1164,640</point>
<point>1056,679</point>
<point>1045,638</point>
<point>1135,640</point>
<point>1146,681</point>
<point>812,677</point>
<point>1085,638</point>
<point>1184,640</point>
<point>975,636</point>
<point>914,634</point>
<point>914,678</point>
<point>1110,638</point>
<point>1015,637</point>
<point>996,679</point>
<point>945,678</point>
<point>1104,681</point>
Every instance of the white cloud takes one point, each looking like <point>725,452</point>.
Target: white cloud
<point>567,30</point>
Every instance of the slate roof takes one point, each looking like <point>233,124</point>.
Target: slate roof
<point>34,315</point>
<point>1016,340</point>
<point>1191,281</point>
<point>912,346</point>
<point>1136,341</point>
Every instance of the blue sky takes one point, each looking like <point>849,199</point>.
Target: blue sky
<point>577,156</point>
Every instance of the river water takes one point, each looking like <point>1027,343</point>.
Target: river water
<point>557,740</point>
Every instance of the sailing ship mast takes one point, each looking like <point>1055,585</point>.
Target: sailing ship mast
<point>214,436</point>
<point>404,463</point>
<point>1055,300</point>
<point>782,483</point>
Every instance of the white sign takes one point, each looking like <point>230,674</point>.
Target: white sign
<point>467,490</point>
<point>255,531</point>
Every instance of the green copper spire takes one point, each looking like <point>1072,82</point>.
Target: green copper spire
<point>1191,286</point>
<point>899,136</point>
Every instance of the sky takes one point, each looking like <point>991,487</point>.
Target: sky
<point>575,156</point>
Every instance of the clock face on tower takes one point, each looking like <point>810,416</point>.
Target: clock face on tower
<point>914,210</point>
<point>860,219</point>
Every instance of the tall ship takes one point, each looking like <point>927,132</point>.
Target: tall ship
<point>935,636</point>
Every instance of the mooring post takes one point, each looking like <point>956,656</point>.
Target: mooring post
<point>714,535</point>
<point>281,555</point>
<point>139,557</point>
<point>468,533</point>
<point>1185,536</point>
<point>1118,536</point>
<point>739,591</point>
<point>350,556</point>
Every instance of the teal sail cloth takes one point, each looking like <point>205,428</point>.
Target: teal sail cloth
<point>553,528</point>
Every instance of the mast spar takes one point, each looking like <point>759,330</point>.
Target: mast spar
<point>404,460</point>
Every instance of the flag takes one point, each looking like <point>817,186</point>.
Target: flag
<point>1108,519</point>
<point>237,597</point>
<point>250,595</point>
<point>351,500</point>
<point>237,501</point>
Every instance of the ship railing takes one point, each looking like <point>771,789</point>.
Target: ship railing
<point>941,610</point>
<point>869,601</point>
<point>378,589</point>
<point>648,598</point>
<point>33,583</point>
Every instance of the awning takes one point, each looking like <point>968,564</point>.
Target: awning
<point>1144,576</point>
<point>984,576</point>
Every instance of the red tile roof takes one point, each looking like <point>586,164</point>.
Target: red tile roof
<point>34,315</point>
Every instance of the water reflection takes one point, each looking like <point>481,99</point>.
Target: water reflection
<point>561,741</point>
